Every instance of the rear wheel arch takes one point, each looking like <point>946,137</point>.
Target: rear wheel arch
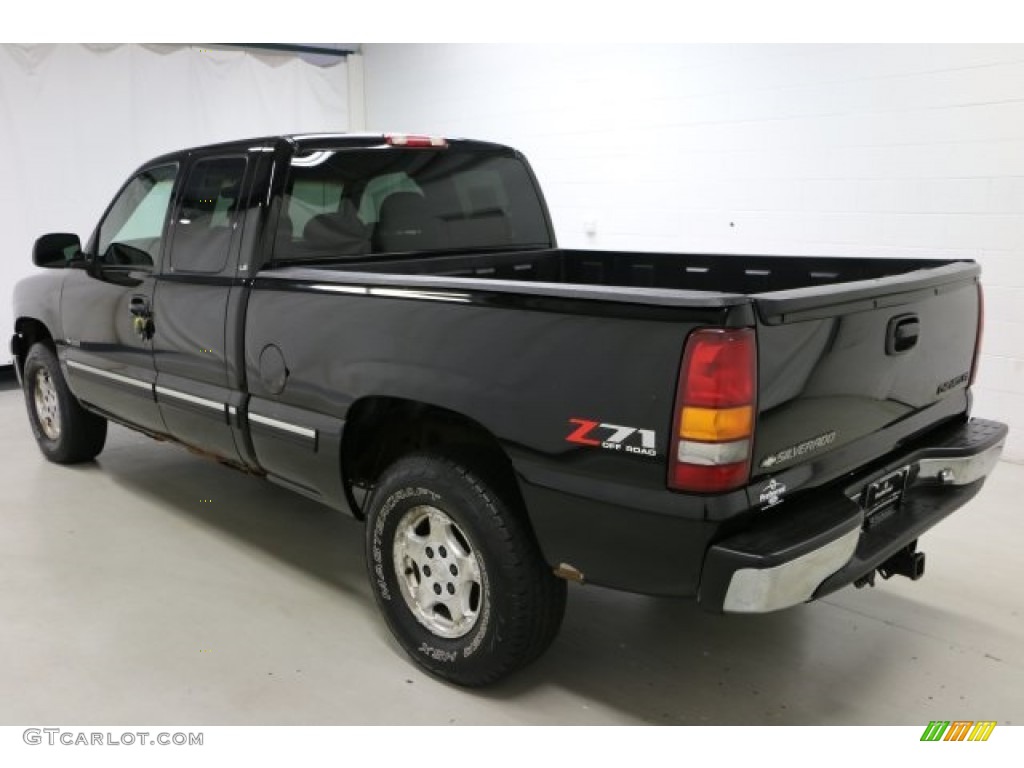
<point>381,430</point>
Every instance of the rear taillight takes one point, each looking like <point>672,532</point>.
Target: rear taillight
<point>713,426</point>
<point>409,140</point>
<point>981,332</point>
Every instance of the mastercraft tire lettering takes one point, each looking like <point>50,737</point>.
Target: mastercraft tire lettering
<point>457,574</point>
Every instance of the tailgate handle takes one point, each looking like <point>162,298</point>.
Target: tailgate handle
<point>902,334</point>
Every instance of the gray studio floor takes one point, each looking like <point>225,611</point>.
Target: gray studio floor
<point>126,598</point>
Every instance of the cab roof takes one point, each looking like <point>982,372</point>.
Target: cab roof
<point>303,141</point>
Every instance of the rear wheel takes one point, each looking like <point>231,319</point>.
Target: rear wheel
<point>457,574</point>
<point>65,432</point>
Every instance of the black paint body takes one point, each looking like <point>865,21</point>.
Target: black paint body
<point>515,344</point>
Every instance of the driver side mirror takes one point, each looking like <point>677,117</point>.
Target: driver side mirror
<point>56,251</point>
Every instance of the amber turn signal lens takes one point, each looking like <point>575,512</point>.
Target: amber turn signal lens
<point>716,424</point>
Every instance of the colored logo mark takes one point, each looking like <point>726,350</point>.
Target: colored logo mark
<point>958,730</point>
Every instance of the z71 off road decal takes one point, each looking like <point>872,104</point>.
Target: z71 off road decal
<point>613,437</point>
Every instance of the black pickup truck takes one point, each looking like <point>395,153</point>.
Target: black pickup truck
<point>385,324</point>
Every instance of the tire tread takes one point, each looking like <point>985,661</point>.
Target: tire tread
<point>83,433</point>
<point>537,598</point>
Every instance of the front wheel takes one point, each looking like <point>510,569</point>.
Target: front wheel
<point>65,432</point>
<point>456,573</point>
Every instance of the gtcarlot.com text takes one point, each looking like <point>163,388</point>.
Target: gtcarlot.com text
<point>58,736</point>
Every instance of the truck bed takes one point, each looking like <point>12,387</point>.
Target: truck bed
<point>695,272</point>
<point>781,288</point>
<point>824,374</point>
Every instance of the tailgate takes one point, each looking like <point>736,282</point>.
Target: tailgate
<point>849,371</point>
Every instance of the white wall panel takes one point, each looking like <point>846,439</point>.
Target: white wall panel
<point>76,120</point>
<point>840,150</point>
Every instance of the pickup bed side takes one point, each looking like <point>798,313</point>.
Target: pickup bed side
<point>605,514</point>
<point>518,369</point>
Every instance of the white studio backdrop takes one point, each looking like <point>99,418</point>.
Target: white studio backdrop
<point>76,120</point>
<point>839,150</point>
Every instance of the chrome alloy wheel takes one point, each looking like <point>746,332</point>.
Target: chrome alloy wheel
<point>438,572</point>
<point>47,408</point>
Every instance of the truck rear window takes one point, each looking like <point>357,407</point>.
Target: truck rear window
<point>349,203</point>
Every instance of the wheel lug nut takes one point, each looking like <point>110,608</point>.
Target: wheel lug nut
<point>451,589</point>
<point>437,589</point>
<point>442,551</point>
<point>453,569</point>
<point>426,570</point>
<point>430,552</point>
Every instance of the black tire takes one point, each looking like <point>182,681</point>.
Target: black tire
<point>65,432</point>
<point>518,602</point>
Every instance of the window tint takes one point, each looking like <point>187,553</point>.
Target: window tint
<point>380,187</point>
<point>312,197</point>
<point>210,200</point>
<point>132,231</point>
<point>351,203</point>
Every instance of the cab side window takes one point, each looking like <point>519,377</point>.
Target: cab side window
<point>209,209</point>
<point>132,231</point>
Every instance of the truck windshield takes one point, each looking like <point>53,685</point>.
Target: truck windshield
<point>350,203</point>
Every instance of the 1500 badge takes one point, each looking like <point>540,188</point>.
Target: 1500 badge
<point>613,437</point>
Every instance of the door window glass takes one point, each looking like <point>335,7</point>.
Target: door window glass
<point>132,231</point>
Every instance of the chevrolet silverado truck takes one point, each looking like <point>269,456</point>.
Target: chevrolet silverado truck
<point>385,324</point>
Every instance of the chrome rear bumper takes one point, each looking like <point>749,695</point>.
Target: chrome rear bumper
<point>819,543</point>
